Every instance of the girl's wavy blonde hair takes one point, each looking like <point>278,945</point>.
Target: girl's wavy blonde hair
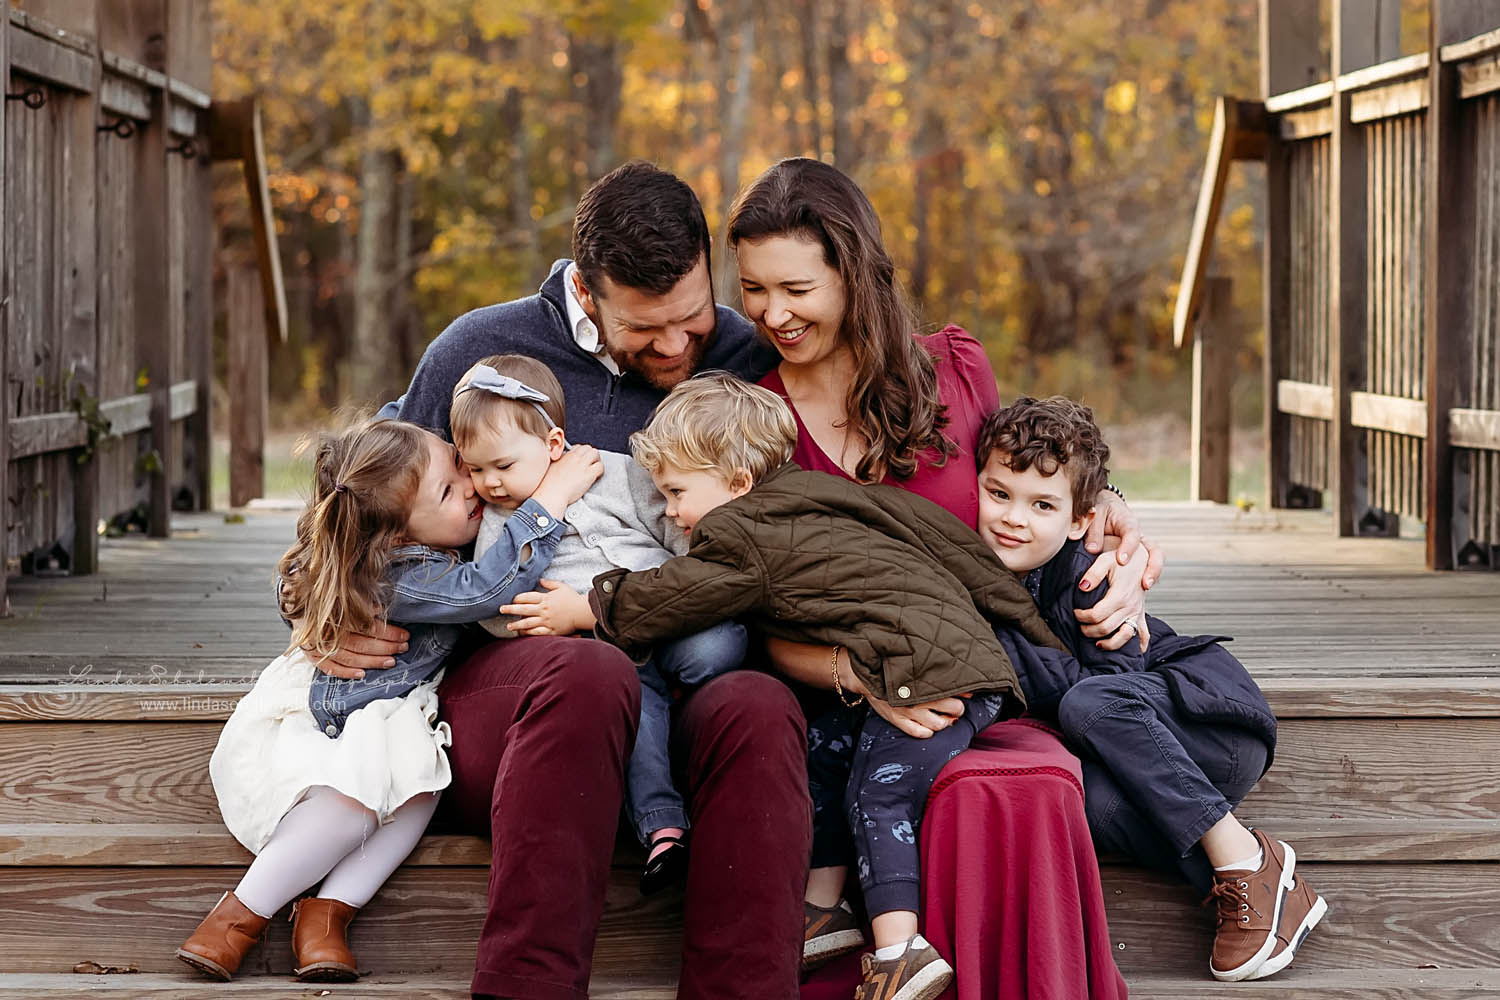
<point>333,577</point>
<point>717,423</point>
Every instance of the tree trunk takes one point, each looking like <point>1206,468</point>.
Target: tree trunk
<point>368,363</point>
<point>513,123</point>
<point>807,19</point>
<point>737,48</point>
<point>599,62</point>
<point>841,87</point>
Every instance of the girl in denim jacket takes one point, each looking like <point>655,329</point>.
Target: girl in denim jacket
<point>338,791</point>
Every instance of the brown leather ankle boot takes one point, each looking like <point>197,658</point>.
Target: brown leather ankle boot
<point>320,946</point>
<point>220,943</point>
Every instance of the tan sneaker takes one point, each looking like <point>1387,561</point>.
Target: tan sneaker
<point>1299,915</point>
<point>828,933</point>
<point>918,974</point>
<point>1250,905</point>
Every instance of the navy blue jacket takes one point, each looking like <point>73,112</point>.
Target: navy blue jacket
<point>603,409</point>
<point>1207,683</point>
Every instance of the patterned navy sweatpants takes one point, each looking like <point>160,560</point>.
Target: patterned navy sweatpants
<point>870,780</point>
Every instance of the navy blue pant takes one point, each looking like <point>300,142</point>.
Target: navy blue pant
<point>651,799</point>
<point>882,777</point>
<point>1154,781</point>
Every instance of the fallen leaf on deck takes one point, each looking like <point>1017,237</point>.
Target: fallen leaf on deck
<point>95,969</point>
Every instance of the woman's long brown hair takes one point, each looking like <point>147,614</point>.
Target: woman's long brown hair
<point>333,577</point>
<point>893,402</point>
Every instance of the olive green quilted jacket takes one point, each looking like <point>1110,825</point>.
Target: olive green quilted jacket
<point>908,589</point>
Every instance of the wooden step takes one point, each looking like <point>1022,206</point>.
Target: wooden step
<point>1382,916</point>
<point>1325,769</point>
<point>1293,984</point>
<point>210,844</point>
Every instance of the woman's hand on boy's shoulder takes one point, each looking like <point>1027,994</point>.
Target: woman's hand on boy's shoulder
<point>1114,519</point>
<point>1119,614</point>
<point>361,651</point>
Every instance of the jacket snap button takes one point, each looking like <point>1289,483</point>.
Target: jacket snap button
<point>543,521</point>
<point>607,586</point>
<point>903,692</point>
<point>593,539</point>
<point>331,730</point>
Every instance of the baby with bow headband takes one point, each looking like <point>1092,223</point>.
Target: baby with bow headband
<point>508,419</point>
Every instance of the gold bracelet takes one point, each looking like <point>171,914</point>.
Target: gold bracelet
<point>839,688</point>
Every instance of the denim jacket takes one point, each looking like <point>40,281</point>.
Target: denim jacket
<point>434,598</point>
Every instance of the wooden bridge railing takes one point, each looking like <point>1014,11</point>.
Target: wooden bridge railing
<point>1382,297</point>
<point>106,283</point>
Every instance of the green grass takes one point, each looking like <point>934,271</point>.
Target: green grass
<point>286,477</point>
<point>1170,478</point>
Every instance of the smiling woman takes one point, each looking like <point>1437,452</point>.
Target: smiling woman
<point>875,402</point>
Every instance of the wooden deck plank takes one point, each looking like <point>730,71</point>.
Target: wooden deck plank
<point>1377,920</point>
<point>166,845</point>
<point>1299,602</point>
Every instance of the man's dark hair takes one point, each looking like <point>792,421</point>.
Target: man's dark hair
<point>1049,433</point>
<point>639,226</point>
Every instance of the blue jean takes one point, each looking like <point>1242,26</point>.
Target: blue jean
<point>1154,780</point>
<point>651,799</point>
<point>888,777</point>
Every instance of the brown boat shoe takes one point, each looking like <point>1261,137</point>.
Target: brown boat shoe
<point>320,944</point>
<point>827,933</point>
<point>1249,909</point>
<point>919,973</point>
<point>219,944</point>
<point>1299,915</point>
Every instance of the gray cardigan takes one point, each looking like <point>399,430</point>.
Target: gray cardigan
<point>620,523</point>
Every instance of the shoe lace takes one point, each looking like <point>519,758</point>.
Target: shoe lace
<point>1230,899</point>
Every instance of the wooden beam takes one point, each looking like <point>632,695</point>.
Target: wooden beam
<point>1290,46</point>
<point>1474,429</point>
<point>1479,45</point>
<point>51,61</point>
<point>121,95</point>
<point>1389,413</point>
<point>1305,124</point>
<point>80,191</point>
<point>1390,68</point>
<point>1450,206</point>
<point>1276,314</point>
<point>1388,101</point>
<point>1297,100</point>
<point>48,432</point>
<point>1304,399</point>
<point>1232,118</point>
<point>1355,46</point>
<point>1213,384</point>
<point>235,132</point>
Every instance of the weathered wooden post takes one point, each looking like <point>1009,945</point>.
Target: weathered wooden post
<point>1365,32</point>
<point>1450,218</point>
<point>257,301</point>
<point>1213,381</point>
<point>5,511</point>
<point>1290,59</point>
<point>247,384</point>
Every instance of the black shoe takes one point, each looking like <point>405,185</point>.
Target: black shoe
<point>667,868</point>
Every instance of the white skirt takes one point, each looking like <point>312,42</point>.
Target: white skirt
<point>272,751</point>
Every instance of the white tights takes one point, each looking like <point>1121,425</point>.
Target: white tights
<point>331,838</point>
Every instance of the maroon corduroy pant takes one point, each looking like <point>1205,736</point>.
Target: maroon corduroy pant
<point>542,728</point>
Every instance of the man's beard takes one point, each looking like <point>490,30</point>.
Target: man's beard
<point>664,379</point>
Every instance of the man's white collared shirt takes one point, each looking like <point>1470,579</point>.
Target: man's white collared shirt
<point>585,333</point>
